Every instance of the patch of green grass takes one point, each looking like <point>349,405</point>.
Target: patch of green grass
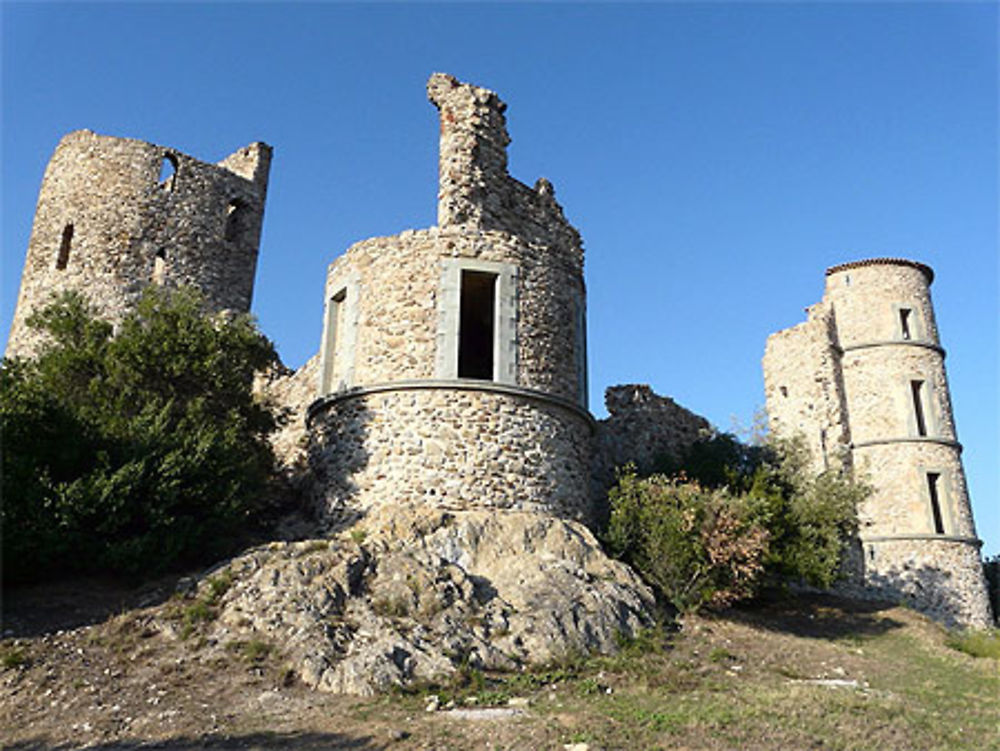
<point>720,654</point>
<point>218,585</point>
<point>253,650</point>
<point>976,643</point>
<point>12,656</point>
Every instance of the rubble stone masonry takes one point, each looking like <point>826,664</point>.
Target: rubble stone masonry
<point>863,380</point>
<point>115,215</point>
<point>453,363</point>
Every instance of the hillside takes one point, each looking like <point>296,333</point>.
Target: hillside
<point>811,672</point>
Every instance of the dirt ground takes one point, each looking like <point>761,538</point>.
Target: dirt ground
<point>92,664</point>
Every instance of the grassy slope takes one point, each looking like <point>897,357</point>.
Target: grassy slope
<point>807,673</point>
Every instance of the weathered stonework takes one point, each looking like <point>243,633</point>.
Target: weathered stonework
<point>106,225</point>
<point>642,428</point>
<point>863,381</point>
<point>414,407</point>
<point>451,383</point>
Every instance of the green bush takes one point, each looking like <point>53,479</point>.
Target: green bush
<point>698,547</point>
<point>731,517</point>
<point>132,454</point>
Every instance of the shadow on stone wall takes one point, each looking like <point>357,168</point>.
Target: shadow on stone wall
<point>337,440</point>
<point>297,740</point>
<point>929,590</point>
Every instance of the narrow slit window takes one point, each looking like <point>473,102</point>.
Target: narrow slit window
<point>904,323</point>
<point>337,330</point>
<point>235,219</point>
<point>168,172</point>
<point>477,325</point>
<point>160,266</point>
<point>932,491</point>
<point>916,390</point>
<point>64,247</point>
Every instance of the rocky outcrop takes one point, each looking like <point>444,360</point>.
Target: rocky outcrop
<point>412,594</point>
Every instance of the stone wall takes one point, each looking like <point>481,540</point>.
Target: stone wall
<point>475,190</point>
<point>641,427</point>
<point>106,225</point>
<point>396,287</point>
<point>291,392</point>
<point>803,387</point>
<point>866,371</point>
<point>455,446</point>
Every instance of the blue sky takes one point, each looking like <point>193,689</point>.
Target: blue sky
<point>716,157</point>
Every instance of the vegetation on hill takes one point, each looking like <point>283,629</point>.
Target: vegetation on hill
<point>711,528</point>
<point>135,453</point>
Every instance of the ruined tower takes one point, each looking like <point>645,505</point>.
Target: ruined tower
<point>453,359</point>
<point>116,214</point>
<point>863,381</point>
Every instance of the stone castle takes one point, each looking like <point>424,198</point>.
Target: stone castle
<point>452,371</point>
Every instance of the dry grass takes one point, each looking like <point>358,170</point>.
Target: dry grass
<point>812,673</point>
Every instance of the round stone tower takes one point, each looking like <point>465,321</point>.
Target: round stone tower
<point>863,382</point>
<point>453,365</point>
<point>116,214</point>
<point>917,533</point>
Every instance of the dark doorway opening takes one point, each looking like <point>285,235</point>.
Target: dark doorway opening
<point>476,325</point>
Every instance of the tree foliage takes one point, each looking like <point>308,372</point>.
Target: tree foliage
<point>133,453</point>
<point>712,527</point>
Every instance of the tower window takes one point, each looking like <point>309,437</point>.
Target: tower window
<point>334,334</point>
<point>64,247</point>
<point>160,266</point>
<point>932,492</point>
<point>168,172</point>
<point>476,325</point>
<point>339,335</point>
<point>916,391</point>
<point>904,323</point>
<point>236,216</point>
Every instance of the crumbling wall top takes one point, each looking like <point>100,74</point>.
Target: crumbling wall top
<point>475,190</point>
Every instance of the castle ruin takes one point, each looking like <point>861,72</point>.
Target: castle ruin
<point>452,371</point>
<point>115,215</point>
<point>863,382</point>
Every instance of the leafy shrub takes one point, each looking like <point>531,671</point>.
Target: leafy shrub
<point>730,516</point>
<point>131,454</point>
<point>698,547</point>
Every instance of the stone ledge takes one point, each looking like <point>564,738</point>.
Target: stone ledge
<point>890,342</point>
<point>924,537</point>
<point>450,385</point>
<point>909,439</point>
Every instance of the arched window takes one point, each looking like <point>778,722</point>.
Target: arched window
<point>168,172</point>
<point>64,247</point>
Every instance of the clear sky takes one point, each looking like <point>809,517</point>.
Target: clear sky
<point>716,158</point>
